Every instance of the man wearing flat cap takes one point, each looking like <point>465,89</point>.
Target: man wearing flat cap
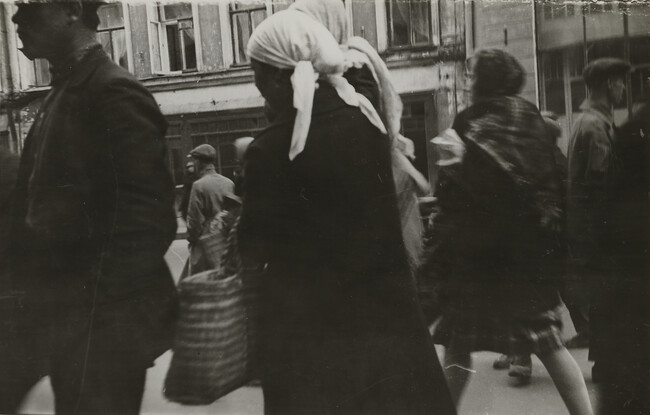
<point>92,219</point>
<point>207,195</point>
<point>592,166</point>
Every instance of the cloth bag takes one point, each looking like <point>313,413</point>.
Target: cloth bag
<point>214,349</point>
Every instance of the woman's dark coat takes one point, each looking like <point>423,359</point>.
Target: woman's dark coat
<point>341,330</point>
<point>496,254</point>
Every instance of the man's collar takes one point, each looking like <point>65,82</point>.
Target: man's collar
<point>75,64</point>
<point>208,170</point>
<point>599,107</point>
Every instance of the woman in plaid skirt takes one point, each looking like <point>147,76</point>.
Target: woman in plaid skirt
<point>499,194</point>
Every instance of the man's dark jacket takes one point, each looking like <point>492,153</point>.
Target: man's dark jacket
<point>94,207</point>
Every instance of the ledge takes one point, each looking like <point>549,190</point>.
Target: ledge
<point>400,58</point>
<point>235,75</point>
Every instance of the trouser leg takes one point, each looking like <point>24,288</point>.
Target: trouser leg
<point>97,383</point>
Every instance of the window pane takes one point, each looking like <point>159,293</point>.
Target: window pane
<point>104,38</point>
<point>257,17</point>
<point>42,72</point>
<point>189,48</point>
<point>420,19</point>
<point>578,94</point>
<point>119,48</point>
<point>641,84</point>
<point>174,48</point>
<point>110,16</point>
<point>640,50</point>
<point>177,11</point>
<point>399,19</point>
<point>241,34</point>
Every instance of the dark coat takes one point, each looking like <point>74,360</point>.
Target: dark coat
<point>94,209</point>
<point>341,330</point>
<point>493,251</point>
<point>592,170</point>
<point>8,173</point>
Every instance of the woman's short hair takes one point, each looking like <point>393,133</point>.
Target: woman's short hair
<point>496,72</point>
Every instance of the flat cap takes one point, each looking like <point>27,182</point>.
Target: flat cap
<point>601,69</point>
<point>204,152</point>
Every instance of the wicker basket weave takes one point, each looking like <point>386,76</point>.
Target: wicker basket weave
<point>216,335</point>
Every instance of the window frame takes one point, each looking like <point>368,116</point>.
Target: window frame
<point>155,16</point>
<point>434,27</point>
<point>126,15</point>
<point>383,38</point>
<point>227,29</point>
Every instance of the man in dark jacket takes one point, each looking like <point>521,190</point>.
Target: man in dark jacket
<point>93,218</point>
<point>592,171</point>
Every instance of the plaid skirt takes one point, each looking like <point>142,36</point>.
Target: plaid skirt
<point>465,332</point>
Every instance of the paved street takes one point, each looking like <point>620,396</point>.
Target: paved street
<point>490,392</point>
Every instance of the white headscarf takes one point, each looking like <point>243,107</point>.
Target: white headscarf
<point>358,52</point>
<point>289,40</point>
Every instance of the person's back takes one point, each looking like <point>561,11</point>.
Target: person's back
<point>337,197</point>
<point>206,200</point>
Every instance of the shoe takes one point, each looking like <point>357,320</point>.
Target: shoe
<point>521,368</point>
<point>502,362</point>
<point>579,341</point>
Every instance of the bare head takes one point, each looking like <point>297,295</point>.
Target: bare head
<point>53,30</point>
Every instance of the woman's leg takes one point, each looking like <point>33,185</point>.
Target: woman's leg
<point>458,367</point>
<point>568,380</point>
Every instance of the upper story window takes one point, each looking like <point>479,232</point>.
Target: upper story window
<point>597,7</point>
<point>409,23</point>
<point>558,11</point>
<point>244,18</point>
<point>111,33</point>
<point>173,38</point>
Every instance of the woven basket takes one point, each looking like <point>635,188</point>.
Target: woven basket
<point>214,347</point>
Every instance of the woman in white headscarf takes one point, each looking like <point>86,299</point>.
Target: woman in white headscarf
<point>368,74</point>
<point>341,331</point>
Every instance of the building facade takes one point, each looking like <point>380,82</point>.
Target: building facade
<point>192,58</point>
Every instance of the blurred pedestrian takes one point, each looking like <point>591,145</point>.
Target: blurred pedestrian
<point>626,389</point>
<point>367,73</point>
<point>190,178</point>
<point>206,202</point>
<point>8,173</point>
<point>92,219</point>
<point>521,366</point>
<point>593,167</point>
<point>500,205</point>
<point>341,331</point>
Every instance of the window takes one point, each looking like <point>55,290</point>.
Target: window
<point>42,75</point>
<point>557,10</point>
<point>111,33</point>
<point>173,38</point>
<point>244,18</point>
<point>409,23</point>
<point>553,73</point>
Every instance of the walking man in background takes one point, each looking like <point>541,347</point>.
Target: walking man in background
<point>207,195</point>
<point>592,166</point>
<point>92,219</point>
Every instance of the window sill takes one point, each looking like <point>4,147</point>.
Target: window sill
<point>423,55</point>
<point>189,80</point>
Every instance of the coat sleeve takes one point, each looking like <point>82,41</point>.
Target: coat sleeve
<point>134,191</point>
<point>257,202</point>
<point>195,216</point>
